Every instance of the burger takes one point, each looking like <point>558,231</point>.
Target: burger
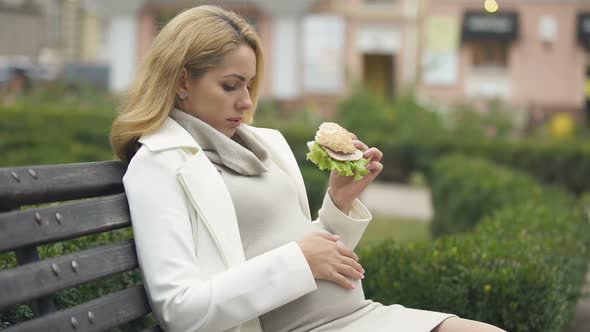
<point>333,150</point>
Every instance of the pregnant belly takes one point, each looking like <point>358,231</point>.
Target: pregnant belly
<point>328,302</point>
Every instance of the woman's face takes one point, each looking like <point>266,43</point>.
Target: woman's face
<point>221,96</point>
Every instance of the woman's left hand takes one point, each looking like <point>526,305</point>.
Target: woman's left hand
<point>345,189</point>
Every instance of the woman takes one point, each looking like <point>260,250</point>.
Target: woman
<point>219,210</point>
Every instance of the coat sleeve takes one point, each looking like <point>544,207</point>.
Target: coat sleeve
<point>350,227</point>
<point>182,296</point>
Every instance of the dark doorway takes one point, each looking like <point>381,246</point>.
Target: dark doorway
<point>379,75</point>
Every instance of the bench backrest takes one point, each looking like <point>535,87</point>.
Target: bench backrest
<point>97,204</point>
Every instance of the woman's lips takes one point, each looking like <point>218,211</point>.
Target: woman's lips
<point>235,121</point>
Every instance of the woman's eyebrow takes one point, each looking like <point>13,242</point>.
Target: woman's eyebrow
<point>240,77</point>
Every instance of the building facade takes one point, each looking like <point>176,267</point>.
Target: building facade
<point>532,54</point>
<point>314,49</point>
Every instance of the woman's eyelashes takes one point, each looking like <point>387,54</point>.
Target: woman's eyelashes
<point>229,88</point>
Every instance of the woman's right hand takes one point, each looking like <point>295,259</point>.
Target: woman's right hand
<point>330,260</point>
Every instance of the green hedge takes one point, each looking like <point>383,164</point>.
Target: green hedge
<point>558,163</point>
<point>521,268</point>
<point>53,135</point>
<point>466,189</point>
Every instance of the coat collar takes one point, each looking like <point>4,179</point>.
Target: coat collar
<point>170,135</point>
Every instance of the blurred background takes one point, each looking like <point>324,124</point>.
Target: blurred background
<point>532,55</point>
<point>482,108</point>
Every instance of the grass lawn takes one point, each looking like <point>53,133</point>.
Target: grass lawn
<point>399,229</point>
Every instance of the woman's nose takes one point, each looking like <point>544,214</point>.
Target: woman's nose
<point>246,102</point>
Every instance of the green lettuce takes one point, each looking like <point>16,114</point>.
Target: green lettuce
<point>320,157</point>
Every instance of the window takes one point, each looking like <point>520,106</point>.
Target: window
<point>323,53</point>
<point>490,54</point>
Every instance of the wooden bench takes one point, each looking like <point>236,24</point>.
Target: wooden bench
<point>98,204</point>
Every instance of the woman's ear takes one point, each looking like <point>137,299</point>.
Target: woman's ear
<point>183,84</point>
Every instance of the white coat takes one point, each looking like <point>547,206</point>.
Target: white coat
<point>188,242</point>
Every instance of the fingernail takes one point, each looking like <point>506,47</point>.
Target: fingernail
<point>362,276</point>
<point>363,270</point>
<point>353,286</point>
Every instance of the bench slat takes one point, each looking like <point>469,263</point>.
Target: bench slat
<point>107,312</point>
<point>27,282</point>
<point>55,223</point>
<point>53,183</point>
<point>42,305</point>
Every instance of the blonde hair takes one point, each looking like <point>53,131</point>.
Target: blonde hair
<point>197,39</point>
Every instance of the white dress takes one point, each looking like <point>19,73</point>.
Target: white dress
<point>269,216</point>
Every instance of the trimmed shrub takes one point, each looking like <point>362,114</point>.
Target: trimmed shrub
<point>521,268</point>
<point>363,113</point>
<point>466,189</point>
<point>50,136</point>
<point>556,163</point>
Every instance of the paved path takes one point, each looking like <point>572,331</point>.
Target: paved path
<point>415,203</point>
<point>581,321</point>
<point>398,200</point>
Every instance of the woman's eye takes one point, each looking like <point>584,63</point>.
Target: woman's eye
<point>228,87</point>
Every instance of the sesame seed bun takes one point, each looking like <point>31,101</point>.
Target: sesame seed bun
<point>335,138</point>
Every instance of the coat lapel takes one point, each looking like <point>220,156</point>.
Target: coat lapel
<point>211,199</point>
<point>281,154</point>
